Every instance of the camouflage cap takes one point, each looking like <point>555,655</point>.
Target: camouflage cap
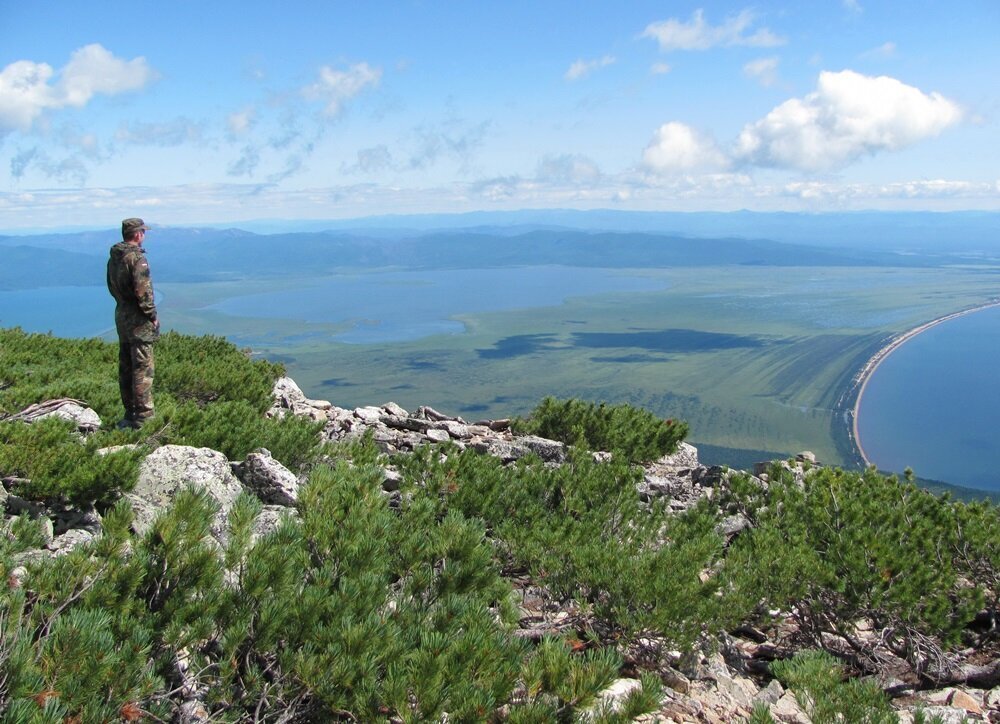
<point>129,226</point>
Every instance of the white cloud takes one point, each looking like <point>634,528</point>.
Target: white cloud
<point>246,164</point>
<point>69,169</point>
<point>852,6</point>
<point>583,68</point>
<point>849,115</point>
<point>164,134</point>
<point>659,68</point>
<point>765,70</point>
<point>677,147</point>
<point>240,122</point>
<point>454,140</point>
<point>92,69</point>
<point>929,189</point>
<point>572,168</point>
<point>335,87</point>
<point>373,160</point>
<point>886,50</point>
<point>24,94</point>
<point>26,90</point>
<point>697,34</point>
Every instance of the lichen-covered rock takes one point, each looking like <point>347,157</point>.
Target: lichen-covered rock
<point>169,469</point>
<point>271,481</point>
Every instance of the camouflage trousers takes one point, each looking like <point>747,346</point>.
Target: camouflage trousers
<point>135,378</point>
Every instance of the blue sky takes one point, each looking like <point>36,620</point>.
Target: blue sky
<point>205,112</point>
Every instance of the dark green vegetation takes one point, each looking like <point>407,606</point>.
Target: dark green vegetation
<point>818,680</point>
<point>637,435</point>
<point>207,393</point>
<point>355,609</point>
<point>844,547</point>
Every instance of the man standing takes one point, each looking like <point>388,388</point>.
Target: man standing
<point>136,321</point>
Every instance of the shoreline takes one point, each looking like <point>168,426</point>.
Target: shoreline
<point>865,373</point>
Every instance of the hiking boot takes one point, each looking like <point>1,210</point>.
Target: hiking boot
<point>127,423</point>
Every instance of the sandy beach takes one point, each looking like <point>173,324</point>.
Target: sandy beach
<point>895,343</point>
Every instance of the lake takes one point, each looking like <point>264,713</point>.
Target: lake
<point>378,306</point>
<point>407,305</point>
<point>933,404</point>
<point>63,311</point>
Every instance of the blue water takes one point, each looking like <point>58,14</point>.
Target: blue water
<point>402,306</point>
<point>63,311</point>
<point>379,307</point>
<point>934,404</point>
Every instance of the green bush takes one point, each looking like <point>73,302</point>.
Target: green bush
<point>845,547</point>
<point>637,434</point>
<point>235,428</point>
<point>74,647</point>
<point>58,464</point>
<point>977,548</point>
<point>207,392</point>
<point>38,367</point>
<point>581,530</point>
<point>209,369</point>
<point>821,689</point>
<point>353,611</point>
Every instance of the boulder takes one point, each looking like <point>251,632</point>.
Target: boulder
<point>69,541</point>
<point>169,469</point>
<point>787,709</point>
<point>684,458</point>
<point>85,419</point>
<point>269,519</point>
<point>271,481</point>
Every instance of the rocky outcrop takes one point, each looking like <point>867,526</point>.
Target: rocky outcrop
<point>720,683</point>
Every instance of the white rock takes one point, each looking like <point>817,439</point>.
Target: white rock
<point>69,541</point>
<point>612,698</point>
<point>438,435</point>
<point>787,709</point>
<point>169,469</point>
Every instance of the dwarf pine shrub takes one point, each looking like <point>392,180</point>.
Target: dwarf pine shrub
<point>235,428</point>
<point>351,610</point>
<point>56,463</point>
<point>637,434</point>
<point>208,393</point>
<point>977,550</point>
<point>581,530</point>
<point>37,367</point>
<point>822,689</point>
<point>209,369</point>
<point>845,547</point>
<point>79,645</point>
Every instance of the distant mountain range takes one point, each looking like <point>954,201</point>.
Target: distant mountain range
<point>742,238</point>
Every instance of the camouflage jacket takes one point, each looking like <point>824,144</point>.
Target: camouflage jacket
<point>131,286</point>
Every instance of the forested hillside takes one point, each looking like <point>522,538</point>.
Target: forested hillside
<point>193,255</point>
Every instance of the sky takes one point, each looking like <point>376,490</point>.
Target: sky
<point>219,112</point>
